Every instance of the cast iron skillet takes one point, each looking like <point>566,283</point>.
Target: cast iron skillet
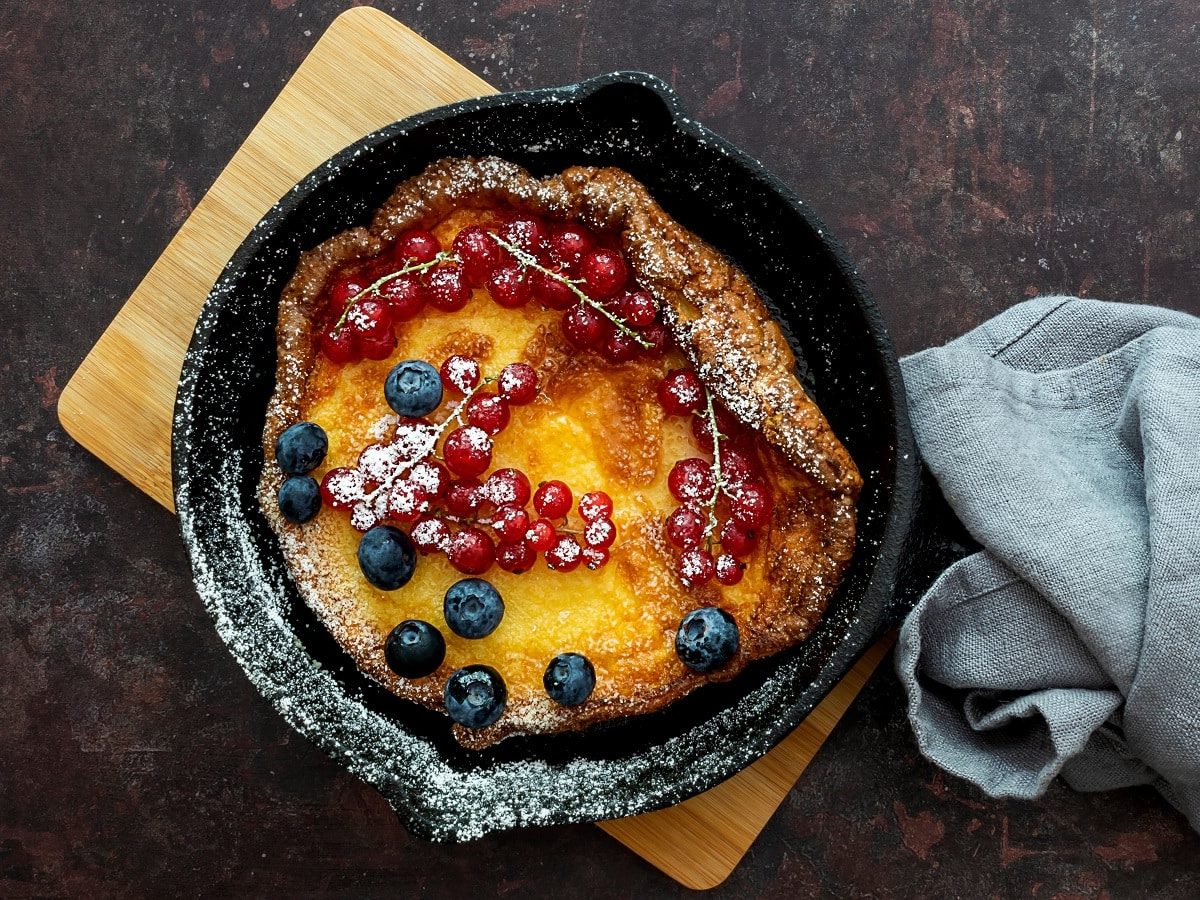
<point>438,790</point>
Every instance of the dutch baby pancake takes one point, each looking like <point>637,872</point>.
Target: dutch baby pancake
<point>537,455</point>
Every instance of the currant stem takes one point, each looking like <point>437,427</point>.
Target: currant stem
<point>431,446</point>
<point>718,474</point>
<point>527,260</point>
<point>457,415</point>
<point>441,257</point>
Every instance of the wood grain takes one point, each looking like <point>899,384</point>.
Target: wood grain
<point>700,842</point>
<point>366,71</point>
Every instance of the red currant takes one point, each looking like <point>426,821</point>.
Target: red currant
<point>600,533</point>
<point>377,462</point>
<point>737,466</point>
<point>736,540</point>
<point>515,557</point>
<point>604,273</point>
<point>377,268</point>
<point>638,308</point>
<point>471,551</point>
<point>541,535</point>
<point>363,516</point>
<point>416,246</point>
<point>583,327</point>
<point>343,291</point>
<point>526,233</point>
<point>510,522</point>
<point>459,373</point>
<point>594,557</point>
<point>508,286</point>
<point>369,319</point>
<point>448,288</point>
<point>414,438</point>
<point>551,292</point>
<point>727,425</point>
<point>468,451</point>
<point>405,297</point>
<point>431,477</point>
<point>565,555</point>
<point>691,479</point>
<point>340,346</point>
<point>430,535</point>
<point>685,526</point>
<point>552,499</point>
<point>752,505</point>
<point>656,335</point>
<point>507,486</point>
<point>518,383</point>
<point>681,393</point>
<point>569,244</point>
<point>489,412</point>
<point>618,347</point>
<point>595,505</point>
<point>342,488</point>
<point>378,348</point>
<point>407,501</point>
<point>464,497</point>
<point>695,567</point>
<point>728,570</point>
<point>478,252</point>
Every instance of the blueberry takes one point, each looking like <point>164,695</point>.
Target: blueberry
<point>414,649</point>
<point>413,388</point>
<point>387,557</point>
<point>707,639</point>
<point>301,448</point>
<point>473,608</point>
<point>475,696</point>
<point>569,679</point>
<point>299,498</point>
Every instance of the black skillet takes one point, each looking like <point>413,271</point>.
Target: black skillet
<point>437,789</point>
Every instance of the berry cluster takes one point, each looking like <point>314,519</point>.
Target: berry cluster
<point>428,476</point>
<point>723,502</point>
<point>519,259</point>
<point>365,305</point>
<point>476,696</point>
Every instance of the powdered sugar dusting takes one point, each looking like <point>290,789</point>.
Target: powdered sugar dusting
<point>426,476</point>
<point>431,534</point>
<point>475,439</point>
<point>600,532</point>
<point>463,372</point>
<point>566,549</point>
<point>378,462</point>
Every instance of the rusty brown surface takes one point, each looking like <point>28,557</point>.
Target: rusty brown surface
<point>969,155</point>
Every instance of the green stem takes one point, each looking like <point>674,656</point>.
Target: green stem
<point>527,260</point>
<point>407,464</point>
<point>374,287</point>
<point>718,475</point>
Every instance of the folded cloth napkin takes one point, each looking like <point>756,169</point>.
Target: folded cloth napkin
<point>1065,434</point>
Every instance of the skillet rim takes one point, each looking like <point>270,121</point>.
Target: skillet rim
<point>426,818</point>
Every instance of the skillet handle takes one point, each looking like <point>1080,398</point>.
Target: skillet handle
<point>937,540</point>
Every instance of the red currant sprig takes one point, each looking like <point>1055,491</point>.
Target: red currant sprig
<point>476,524</point>
<point>594,273</point>
<point>400,479</point>
<point>373,289</point>
<point>700,486</point>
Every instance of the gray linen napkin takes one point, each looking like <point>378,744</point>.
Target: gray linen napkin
<point>1065,434</point>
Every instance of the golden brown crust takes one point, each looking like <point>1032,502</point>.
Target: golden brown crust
<point>734,344</point>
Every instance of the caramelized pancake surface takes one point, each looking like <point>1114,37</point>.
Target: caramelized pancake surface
<point>595,425</point>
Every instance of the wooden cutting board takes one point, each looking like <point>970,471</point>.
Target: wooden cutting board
<point>367,71</point>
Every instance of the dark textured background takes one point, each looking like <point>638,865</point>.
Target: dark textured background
<point>969,154</point>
